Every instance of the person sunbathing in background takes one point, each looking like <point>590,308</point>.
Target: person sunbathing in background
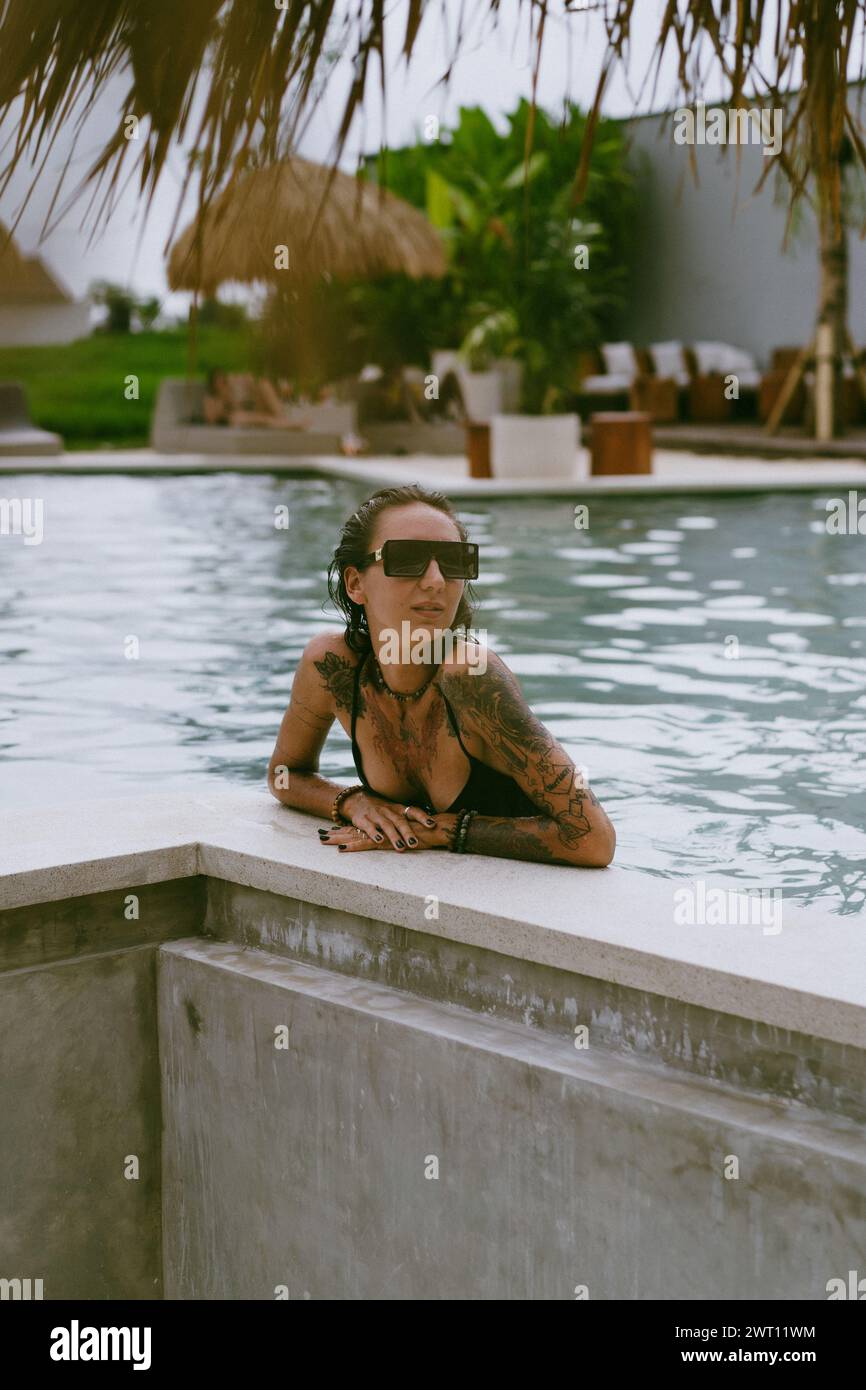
<point>249,402</point>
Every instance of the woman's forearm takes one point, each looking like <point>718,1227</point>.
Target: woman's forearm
<point>304,791</point>
<point>540,839</point>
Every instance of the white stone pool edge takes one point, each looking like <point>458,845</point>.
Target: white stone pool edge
<point>612,924</point>
<point>675,471</point>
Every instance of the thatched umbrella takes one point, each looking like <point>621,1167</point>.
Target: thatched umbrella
<point>285,226</point>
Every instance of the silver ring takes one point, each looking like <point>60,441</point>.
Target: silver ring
<point>406,810</point>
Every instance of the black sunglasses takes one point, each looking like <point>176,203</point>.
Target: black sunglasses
<point>402,559</point>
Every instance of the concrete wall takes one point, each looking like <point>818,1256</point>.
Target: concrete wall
<point>80,1090</point>
<point>36,325</point>
<point>429,1129</point>
<point>397,1148</point>
<point>710,262</point>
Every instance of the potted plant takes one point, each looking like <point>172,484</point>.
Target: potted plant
<point>540,441</point>
<point>485,386</point>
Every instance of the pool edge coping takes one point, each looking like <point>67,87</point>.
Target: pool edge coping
<point>612,924</point>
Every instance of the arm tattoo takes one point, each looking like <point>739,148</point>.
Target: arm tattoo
<point>338,676</point>
<point>512,838</point>
<point>494,705</point>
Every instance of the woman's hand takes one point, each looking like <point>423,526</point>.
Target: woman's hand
<point>380,824</point>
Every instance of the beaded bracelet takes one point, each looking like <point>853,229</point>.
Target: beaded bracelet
<point>336,814</point>
<point>464,831</point>
<point>455,833</point>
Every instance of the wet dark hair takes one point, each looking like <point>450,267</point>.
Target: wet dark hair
<point>355,544</point>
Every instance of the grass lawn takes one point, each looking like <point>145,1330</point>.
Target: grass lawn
<point>77,389</point>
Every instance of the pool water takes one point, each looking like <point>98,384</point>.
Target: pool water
<point>703,658</point>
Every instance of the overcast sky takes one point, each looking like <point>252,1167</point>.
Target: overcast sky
<point>494,71</point>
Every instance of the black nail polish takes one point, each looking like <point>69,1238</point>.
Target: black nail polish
<point>379,837</point>
<point>431,822</point>
<point>341,849</point>
<point>400,844</point>
<point>412,840</point>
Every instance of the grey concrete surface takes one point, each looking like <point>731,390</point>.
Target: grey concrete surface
<point>80,1098</point>
<point>726,1048</point>
<point>401,1149</point>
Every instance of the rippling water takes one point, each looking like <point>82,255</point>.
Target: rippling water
<point>703,658</point>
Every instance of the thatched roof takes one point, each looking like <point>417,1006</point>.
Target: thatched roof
<point>25,279</point>
<point>360,231</point>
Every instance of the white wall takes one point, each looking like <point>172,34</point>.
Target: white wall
<point>45,323</point>
<point>711,264</point>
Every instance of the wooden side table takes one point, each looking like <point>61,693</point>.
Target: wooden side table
<point>478,448</point>
<point>621,442</point>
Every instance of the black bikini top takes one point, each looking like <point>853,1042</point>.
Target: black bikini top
<point>486,790</point>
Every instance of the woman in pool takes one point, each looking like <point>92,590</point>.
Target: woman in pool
<point>454,755</point>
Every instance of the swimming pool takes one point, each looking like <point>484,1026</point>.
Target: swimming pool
<point>702,657</point>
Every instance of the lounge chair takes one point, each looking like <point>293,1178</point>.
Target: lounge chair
<point>633,380</point>
<point>661,388</point>
<point>609,389</point>
<point>711,365</point>
<point>18,434</point>
<point>178,426</point>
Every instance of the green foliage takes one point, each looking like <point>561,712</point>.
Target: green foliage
<point>122,307</point>
<point>217,314</point>
<point>495,334</point>
<point>77,389</point>
<point>512,234</point>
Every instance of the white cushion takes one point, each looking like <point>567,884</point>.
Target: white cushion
<point>749,379</point>
<point>722,357</point>
<point>737,360</point>
<point>669,362</point>
<point>619,359</point>
<point>607,384</point>
<point>709,357</point>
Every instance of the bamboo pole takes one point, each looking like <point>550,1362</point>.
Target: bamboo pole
<point>824,383</point>
<point>789,386</point>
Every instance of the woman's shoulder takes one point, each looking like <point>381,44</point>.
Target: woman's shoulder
<point>471,657</point>
<point>328,655</point>
<point>331,642</point>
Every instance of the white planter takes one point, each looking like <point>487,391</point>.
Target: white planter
<point>482,393</point>
<point>443,361</point>
<point>534,446</point>
<point>511,372</point>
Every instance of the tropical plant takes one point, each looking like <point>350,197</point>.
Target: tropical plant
<point>495,333</point>
<point>57,58</point>
<point>513,235</point>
